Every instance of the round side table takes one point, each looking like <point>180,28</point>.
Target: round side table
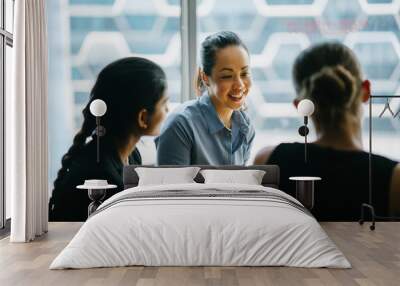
<point>96,195</point>
<point>305,190</point>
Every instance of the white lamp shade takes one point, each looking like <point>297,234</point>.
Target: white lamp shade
<point>305,107</point>
<point>98,107</point>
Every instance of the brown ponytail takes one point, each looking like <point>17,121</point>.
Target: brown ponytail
<point>329,74</point>
<point>334,91</point>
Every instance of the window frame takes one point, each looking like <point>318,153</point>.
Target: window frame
<point>188,31</point>
<point>6,39</point>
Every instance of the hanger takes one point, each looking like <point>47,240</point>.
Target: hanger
<point>387,106</point>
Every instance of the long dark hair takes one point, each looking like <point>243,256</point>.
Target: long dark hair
<point>209,48</point>
<point>330,75</point>
<point>127,86</point>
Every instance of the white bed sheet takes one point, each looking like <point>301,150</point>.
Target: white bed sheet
<point>200,231</point>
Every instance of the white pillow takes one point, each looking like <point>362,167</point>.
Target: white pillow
<point>248,177</point>
<point>164,176</point>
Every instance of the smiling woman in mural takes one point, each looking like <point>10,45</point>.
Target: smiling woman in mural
<point>134,90</point>
<point>213,129</point>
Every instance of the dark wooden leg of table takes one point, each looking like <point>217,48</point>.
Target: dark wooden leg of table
<point>305,193</point>
<point>97,197</point>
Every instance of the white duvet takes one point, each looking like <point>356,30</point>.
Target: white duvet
<point>182,231</point>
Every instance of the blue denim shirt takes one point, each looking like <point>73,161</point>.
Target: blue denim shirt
<point>194,135</point>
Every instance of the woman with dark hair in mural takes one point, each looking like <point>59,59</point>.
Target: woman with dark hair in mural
<point>329,74</point>
<point>213,129</point>
<point>134,90</point>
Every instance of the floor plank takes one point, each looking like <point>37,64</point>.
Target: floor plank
<point>374,255</point>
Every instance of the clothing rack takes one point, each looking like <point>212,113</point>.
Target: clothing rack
<point>369,205</point>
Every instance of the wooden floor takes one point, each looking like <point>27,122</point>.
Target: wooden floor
<point>374,255</point>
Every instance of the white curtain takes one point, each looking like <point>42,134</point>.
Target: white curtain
<point>27,120</point>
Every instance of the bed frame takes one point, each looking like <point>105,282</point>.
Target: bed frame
<point>270,179</point>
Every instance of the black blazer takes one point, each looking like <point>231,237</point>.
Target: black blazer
<point>68,203</point>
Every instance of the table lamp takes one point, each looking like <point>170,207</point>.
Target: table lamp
<point>305,108</point>
<point>98,108</point>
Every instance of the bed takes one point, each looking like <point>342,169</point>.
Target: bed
<point>197,224</point>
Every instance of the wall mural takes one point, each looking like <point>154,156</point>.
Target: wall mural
<point>99,31</point>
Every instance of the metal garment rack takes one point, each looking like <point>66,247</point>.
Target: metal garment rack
<point>369,205</point>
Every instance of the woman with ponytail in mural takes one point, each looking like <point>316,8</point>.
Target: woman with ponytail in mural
<point>214,129</point>
<point>134,90</point>
<point>329,74</point>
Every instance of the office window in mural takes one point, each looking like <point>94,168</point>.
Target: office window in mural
<point>84,35</point>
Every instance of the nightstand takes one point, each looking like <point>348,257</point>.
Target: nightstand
<point>96,192</point>
<point>305,190</point>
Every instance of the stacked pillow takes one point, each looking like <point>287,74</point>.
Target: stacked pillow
<point>248,177</point>
<point>165,176</point>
